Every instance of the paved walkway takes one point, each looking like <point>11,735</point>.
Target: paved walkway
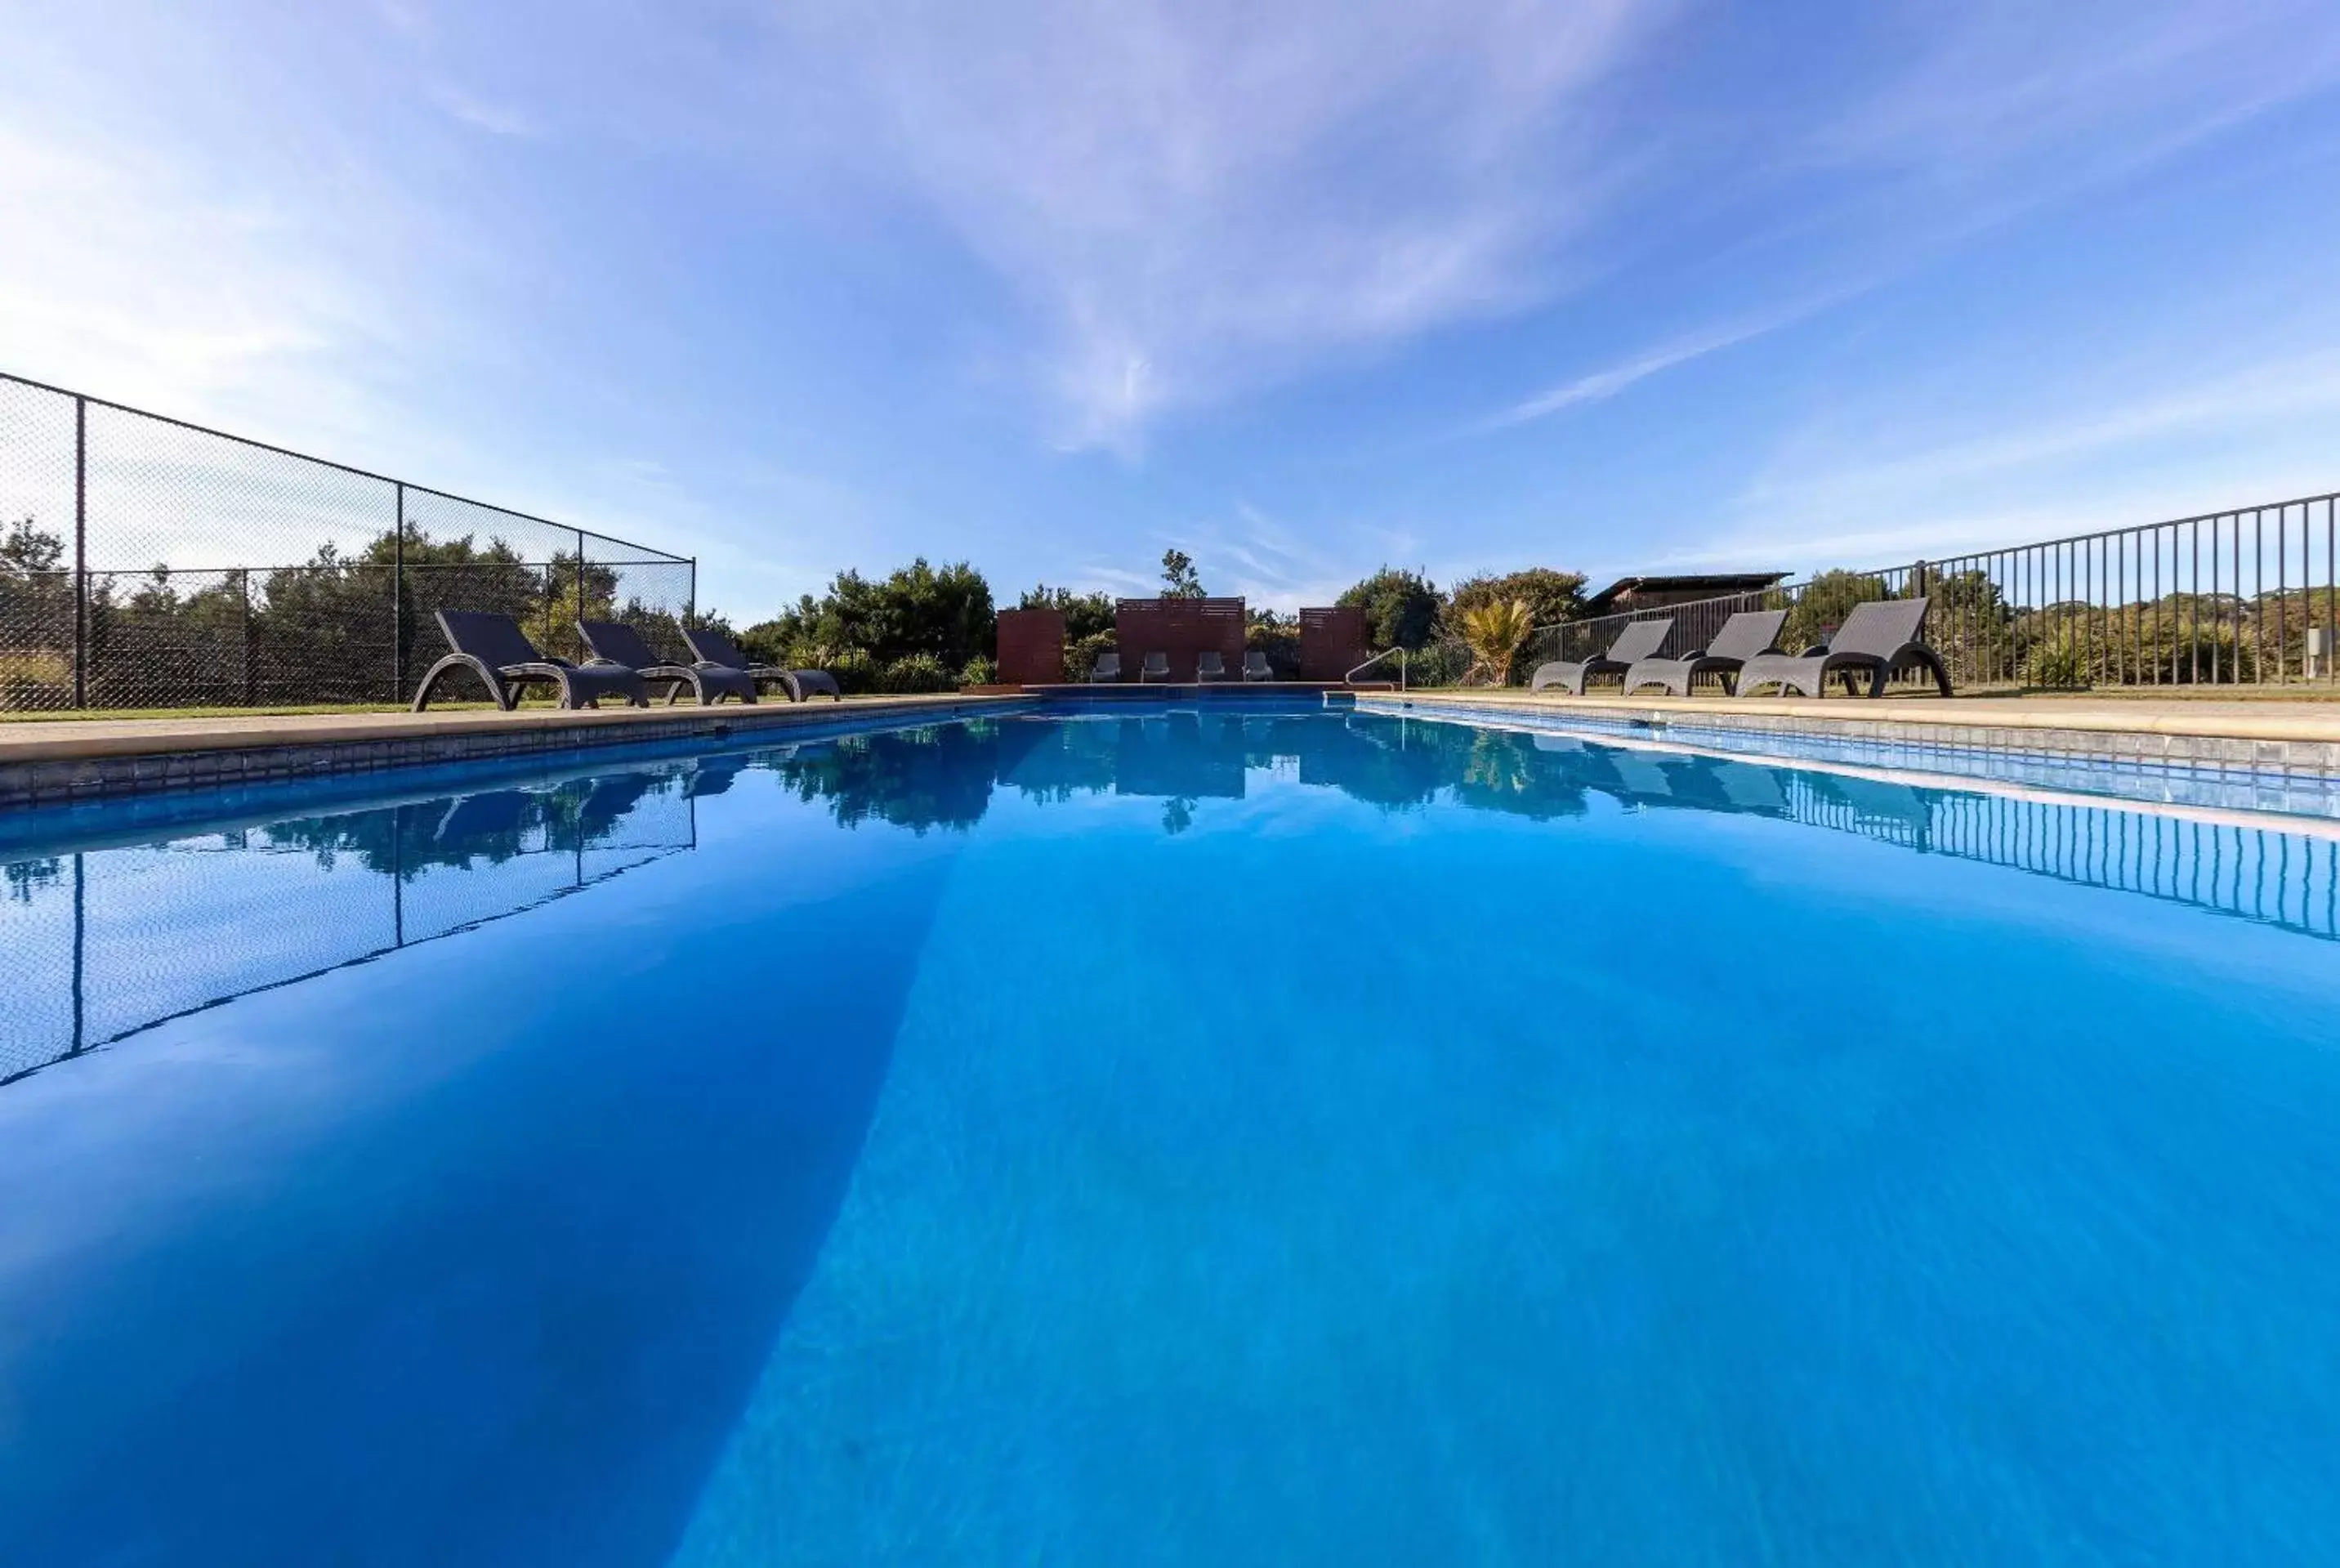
<point>66,740</point>
<point>2263,719</point>
<point>2255,719</point>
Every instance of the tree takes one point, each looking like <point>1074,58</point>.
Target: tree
<point>1551,596</point>
<point>1179,578</point>
<point>37,619</point>
<point>1493,631</point>
<point>1401,608</point>
<point>1085,614</point>
<point>1824,603</point>
<point>895,634</point>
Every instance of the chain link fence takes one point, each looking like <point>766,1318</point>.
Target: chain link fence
<point>146,562</point>
<point>104,942</point>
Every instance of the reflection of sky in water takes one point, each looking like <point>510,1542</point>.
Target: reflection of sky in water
<point>1259,1135</point>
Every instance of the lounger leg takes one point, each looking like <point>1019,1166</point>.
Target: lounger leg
<point>1926,657</point>
<point>448,666</point>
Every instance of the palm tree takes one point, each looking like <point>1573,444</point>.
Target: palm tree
<point>1494,632</point>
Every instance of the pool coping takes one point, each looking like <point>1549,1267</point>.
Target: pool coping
<point>2283,743</point>
<point>85,761</point>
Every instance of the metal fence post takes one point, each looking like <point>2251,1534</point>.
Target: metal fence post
<point>581,581</point>
<point>690,598</point>
<point>244,582</point>
<point>81,552</point>
<point>398,596</point>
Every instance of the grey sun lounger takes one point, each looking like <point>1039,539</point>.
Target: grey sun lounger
<point>713,650</point>
<point>493,647</point>
<point>1156,668</point>
<point>1746,635</point>
<point>1877,639</point>
<point>1107,667</point>
<point>615,642</point>
<point>1256,665</point>
<point>1210,665</point>
<point>1635,641</point>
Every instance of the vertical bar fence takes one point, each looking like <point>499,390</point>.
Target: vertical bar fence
<point>2246,598</point>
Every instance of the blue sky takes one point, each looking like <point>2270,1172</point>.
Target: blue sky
<point>1612,286</point>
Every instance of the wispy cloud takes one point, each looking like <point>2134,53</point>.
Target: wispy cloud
<point>494,119</point>
<point>2165,451</point>
<point>1199,198</point>
<point>1598,385</point>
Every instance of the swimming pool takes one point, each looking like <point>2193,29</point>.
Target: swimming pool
<point>1242,1134</point>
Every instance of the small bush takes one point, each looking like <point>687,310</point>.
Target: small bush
<point>2060,662</point>
<point>916,672</point>
<point>980,671</point>
<point>855,670</point>
<point>1081,654</point>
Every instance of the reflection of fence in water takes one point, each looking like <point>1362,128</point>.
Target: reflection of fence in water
<point>2262,874</point>
<point>105,943</point>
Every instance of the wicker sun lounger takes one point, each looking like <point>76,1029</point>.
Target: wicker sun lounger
<point>1635,641</point>
<point>1156,668</point>
<point>1256,665</point>
<point>1107,667</point>
<point>1876,638</point>
<point>615,642</point>
<point>493,647</point>
<point>1744,636</point>
<point>1210,665</point>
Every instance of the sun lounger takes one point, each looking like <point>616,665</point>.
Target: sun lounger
<point>1637,640</point>
<point>1210,665</point>
<point>1876,638</point>
<point>713,649</point>
<point>493,647</point>
<point>1107,667</point>
<point>615,642</point>
<point>1255,667</point>
<point>1744,636</point>
<point>1156,668</point>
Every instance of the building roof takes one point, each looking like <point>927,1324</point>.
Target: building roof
<point>1711,584</point>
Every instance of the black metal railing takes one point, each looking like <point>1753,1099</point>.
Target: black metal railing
<point>132,566</point>
<point>2245,597</point>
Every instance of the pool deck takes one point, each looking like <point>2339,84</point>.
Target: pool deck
<point>2257,719</point>
<point>2263,735</point>
<point>45,761</point>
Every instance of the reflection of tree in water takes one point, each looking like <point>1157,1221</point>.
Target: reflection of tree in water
<point>1178,814</point>
<point>1398,766</point>
<point>486,828</point>
<point>25,876</point>
<point>939,777</point>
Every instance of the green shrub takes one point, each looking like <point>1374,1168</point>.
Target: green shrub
<point>855,670</point>
<point>1401,608</point>
<point>1081,654</point>
<point>2061,660</point>
<point>916,672</point>
<point>980,671</point>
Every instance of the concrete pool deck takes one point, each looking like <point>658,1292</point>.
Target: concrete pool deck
<point>2299,738</point>
<point>50,761</point>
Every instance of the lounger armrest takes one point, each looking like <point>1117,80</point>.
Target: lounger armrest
<point>1685,659</point>
<point>1816,651</point>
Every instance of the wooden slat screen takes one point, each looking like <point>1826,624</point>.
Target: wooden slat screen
<point>1332,642</point>
<point>1031,647</point>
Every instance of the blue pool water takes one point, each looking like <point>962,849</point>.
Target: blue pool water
<point>1245,1136</point>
